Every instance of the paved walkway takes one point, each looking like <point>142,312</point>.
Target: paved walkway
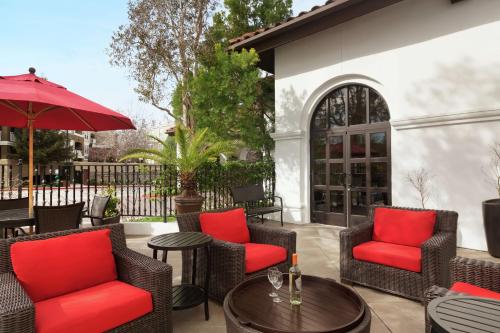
<point>318,249</point>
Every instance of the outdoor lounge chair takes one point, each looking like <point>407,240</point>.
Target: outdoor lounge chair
<point>137,297</point>
<point>470,277</point>
<point>229,261</point>
<point>255,201</point>
<point>96,214</point>
<point>6,204</point>
<point>58,218</point>
<point>412,255</point>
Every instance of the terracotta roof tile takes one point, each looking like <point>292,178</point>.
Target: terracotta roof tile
<point>274,25</point>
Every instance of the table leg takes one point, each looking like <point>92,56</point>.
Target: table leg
<point>207,280</point>
<point>31,230</point>
<point>155,254</point>
<point>164,257</point>
<point>193,277</point>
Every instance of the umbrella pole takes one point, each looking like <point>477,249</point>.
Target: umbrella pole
<point>30,165</point>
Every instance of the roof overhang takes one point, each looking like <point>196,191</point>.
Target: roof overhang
<point>333,13</point>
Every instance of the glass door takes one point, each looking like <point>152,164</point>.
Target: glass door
<point>350,156</point>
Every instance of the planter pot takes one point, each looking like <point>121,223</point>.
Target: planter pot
<point>188,204</point>
<point>108,220</point>
<point>491,219</point>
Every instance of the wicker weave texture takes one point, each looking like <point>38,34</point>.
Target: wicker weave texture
<point>58,218</point>
<point>436,253</point>
<point>227,261</point>
<point>481,273</point>
<point>17,310</point>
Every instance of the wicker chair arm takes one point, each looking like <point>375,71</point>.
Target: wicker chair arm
<point>356,235</point>
<point>280,237</point>
<point>148,274</point>
<point>227,262</point>
<point>436,254</point>
<point>17,311</point>
<point>481,273</point>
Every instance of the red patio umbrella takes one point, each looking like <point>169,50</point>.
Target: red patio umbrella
<point>29,101</point>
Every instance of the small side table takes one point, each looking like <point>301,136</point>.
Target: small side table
<point>458,314</point>
<point>185,296</point>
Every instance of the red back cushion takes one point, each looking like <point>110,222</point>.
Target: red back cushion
<point>403,227</point>
<point>462,287</point>
<point>229,226</point>
<point>57,266</point>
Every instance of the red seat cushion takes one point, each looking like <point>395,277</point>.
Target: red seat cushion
<point>260,256</point>
<point>229,226</point>
<point>96,309</point>
<point>57,266</point>
<point>462,287</point>
<point>394,255</point>
<point>403,227</point>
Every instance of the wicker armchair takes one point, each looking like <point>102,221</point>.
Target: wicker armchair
<point>481,273</point>
<point>58,218</point>
<point>436,253</point>
<point>17,312</point>
<point>228,259</point>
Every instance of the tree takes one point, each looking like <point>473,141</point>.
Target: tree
<point>188,153</point>
<point>111,145</point>
<point>159,45</point>
<point>420,180</point>
<point>495,165</point>
<point>49,146</point>
<point>229,93</point>
<point>226,99</point>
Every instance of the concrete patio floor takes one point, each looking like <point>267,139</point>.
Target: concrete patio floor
<point>318,249</point>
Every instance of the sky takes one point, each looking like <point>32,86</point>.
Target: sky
<point>66,42</point>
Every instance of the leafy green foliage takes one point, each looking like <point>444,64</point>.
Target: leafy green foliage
<point>245,16</point>
<point>188,153</point>
<point>49,146</point>
<point>225,97</point>
<point>112,207</point>
<point>229,93</point>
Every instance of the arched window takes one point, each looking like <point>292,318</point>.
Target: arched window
<point>350,155</point>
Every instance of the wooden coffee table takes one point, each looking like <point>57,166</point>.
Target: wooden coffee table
<point>459,314</point>
<point>327,306</point>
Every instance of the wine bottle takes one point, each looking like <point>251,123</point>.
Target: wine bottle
<point>295,278</point>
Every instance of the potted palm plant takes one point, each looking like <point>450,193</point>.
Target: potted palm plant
<point>189,151</point>
<point>491,209</point>
<point>111,214</point>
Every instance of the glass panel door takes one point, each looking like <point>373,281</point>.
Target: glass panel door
<point>350,156</point>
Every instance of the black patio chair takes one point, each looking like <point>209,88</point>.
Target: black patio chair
<point>58,218</point>
<point>98,209</point>
<point>256,202</point>
<point>7,204</point>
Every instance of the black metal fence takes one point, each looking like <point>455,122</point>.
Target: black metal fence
<point>143,189</point>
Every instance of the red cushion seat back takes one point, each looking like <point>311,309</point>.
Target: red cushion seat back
<point>229,226</point>
<point>403,227</point>
<point>57,266</point>
<point>467,288</point>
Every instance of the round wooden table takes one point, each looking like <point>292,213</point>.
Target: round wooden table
<point>185,296</point>
<point>454,314</point>
<point>327,306</point>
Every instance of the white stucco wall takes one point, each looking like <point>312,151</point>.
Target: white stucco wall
<point>438,67</point>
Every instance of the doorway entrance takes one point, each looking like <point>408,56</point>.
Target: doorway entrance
<point>350,155</point>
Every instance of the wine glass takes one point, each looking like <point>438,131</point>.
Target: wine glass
<point>271,275</point>
<point>277,283</point>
